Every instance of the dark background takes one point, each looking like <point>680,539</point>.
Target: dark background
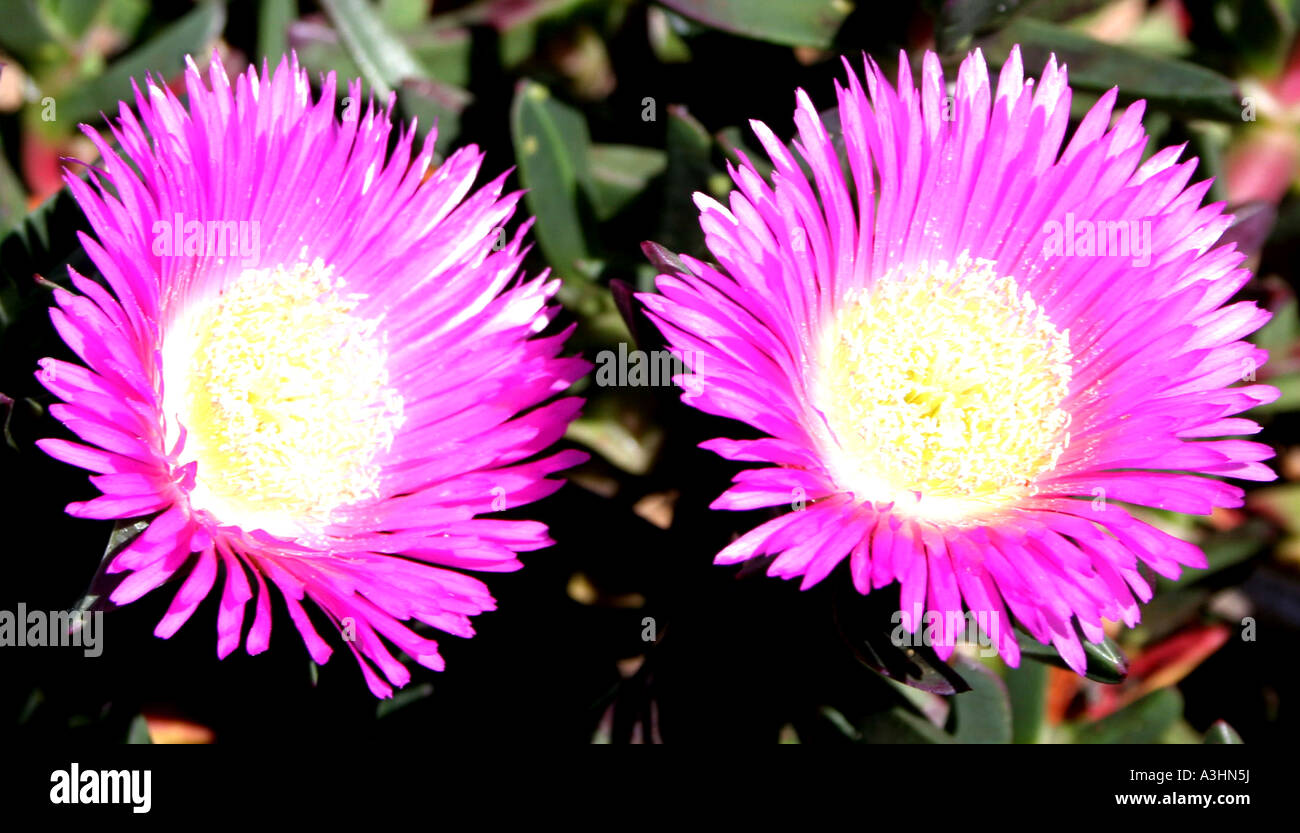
<point>738,656</point>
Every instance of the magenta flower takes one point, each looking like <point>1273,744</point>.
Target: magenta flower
<point>315,363</point>
<point>962,348</point>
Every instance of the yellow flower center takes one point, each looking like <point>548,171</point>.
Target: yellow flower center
<point>283,392</point>
<point>943,387</point>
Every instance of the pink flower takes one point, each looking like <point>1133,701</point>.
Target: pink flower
<point>965,344</point>
<point>316,363</point>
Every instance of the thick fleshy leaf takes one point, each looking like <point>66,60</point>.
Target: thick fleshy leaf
<point>620,174</point>
<point>433,102</point>
<point>13,197</point>
<point>1221,732</point>
<point>45,242</point>
<point>139,730</point>
<point>1143,721</point>
<point>403,698</point>
<point>320,49</point>
<point>865,625</point>
<point>898,725</point>
<point>381,56</point>
<point>1178,86</point>
<point>1106,662</point>
<point>273,19</point>
<point>789,22</point>
<point>667,42</point>
<point>443,51</point>
<point>612,425</point>
<point>96,596</point>
<point>402,13</point>
<point>957,21</point>
<point>551,145</point>
<point>1282,330</point>
<point>690,167</point>
<point>983,714</point>
<point>1027,688</point>
<point>164,54</point>
<point>27,32</point>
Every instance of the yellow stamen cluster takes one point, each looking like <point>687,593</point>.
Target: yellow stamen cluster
<point>942,386</point>
<point>286,400</point>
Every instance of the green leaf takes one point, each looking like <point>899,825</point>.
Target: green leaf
<point>1106,662</point>
<point>1060,10</point>
<point>45,237</point>
<point>983,714</point>
<point>34,701</point>
<point>13,197</point>
<point>517,22</point>
<point>789,22</point>
<point>423,68</point>
<point>273,19</point>
<point>138,731</point>
<point>1143,721</point>
<point>1221,732</point>
<point>871,629</point>
<point>381,56</point>
<point>44,243</point>
<point>403,14</point>
<point>1180,732</point>
<point>444,52</point>
<point>899,725</point>
<point>73,17</point>
<point>1027,688</point>
<point>613,425</point>
<point>1282,330</point>
<point>839,723</point>
<point>1289,386</point>
<point>619,174</point>
<point>27,33</point>
<point>164,55</point>
<point>320,51</point>
<point>1181,87</point>
<point>1207,140</point>
<point>1261,32</point>
<point>551,146</point>
<point>1278,503</point>
<point>403,698</point>
<point>957,21</point>
<point>96,596</point>
<point>28,409</point>
<point>690,168</point>
<point>666,41</point>
<point>434,103</point>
